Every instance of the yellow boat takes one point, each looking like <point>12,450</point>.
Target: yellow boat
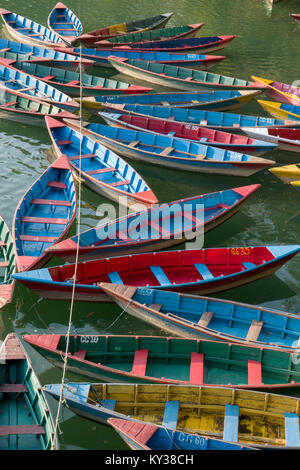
<point>241,416</point>
<point>281,110</point>
<point>296,184</point>
<point>279,91</point>
<point>287,173</point>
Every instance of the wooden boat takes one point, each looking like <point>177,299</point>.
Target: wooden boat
<point>179,77</point>
<point>25,421</point>
<point>164,360</point>
<point>200,45</point>
<point>195,117</point>
<point>281,110</point>
<point>170,152</point>
<point>209,100</point>
<point>287,173</point>
<point>74,83</point>
<point>64,23</point>
<point>18,51</point>
<point>246,417</point>
<point>27,110</point>
<point>192,316</point>
<point>100,57</point>
<point>285,139</point>
<point>170,220</point>
<point>145,24</point>
<point>28,86</point>
<point>100,169</point>
<point>216,138</point>
<point>278,91</point>
<point>295,16</point>
<point>7,264</point>
<point>157,35</point>
<point>204,271</point>
<point>29,32</point>
<point>144,436</point>
<point>44,215</point>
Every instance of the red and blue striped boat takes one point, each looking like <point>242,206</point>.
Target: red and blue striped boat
<point>44,215</point>
<point>160,226</point>
<point>204,271</point>
<point>204,135</point>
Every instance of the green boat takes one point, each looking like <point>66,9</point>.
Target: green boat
<point>184,31</point>
<point>162,360</point>
<point>25,419</point>
<point>69,82</point>
<point>181,78</point>
<point>27,110</point>
<point>7,264</point>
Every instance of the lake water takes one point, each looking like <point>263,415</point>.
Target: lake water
<point>267,45</point>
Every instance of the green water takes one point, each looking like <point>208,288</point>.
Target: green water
<point>267,45</point>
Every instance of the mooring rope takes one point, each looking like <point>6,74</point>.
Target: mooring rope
<point>65,358</point>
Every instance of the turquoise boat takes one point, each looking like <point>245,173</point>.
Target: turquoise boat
<point>25,419</point>
<point>180,78</point>
<point>74,83</point>
<point>64,23</point>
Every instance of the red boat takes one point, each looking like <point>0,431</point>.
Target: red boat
<point>204,271</point>
<point>295,16</point>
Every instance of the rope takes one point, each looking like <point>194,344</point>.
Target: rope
<point>65,358</point>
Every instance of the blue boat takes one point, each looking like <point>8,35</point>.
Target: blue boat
<point>44,215</point>
<point>166,151</point>
<point>100,56</point>
<point>18,51</point>
<point>200,117</point>
<point>214,100</point>
<point>192,316</point>
<point>119,237</point>
<point>99,168</point>
<point>64,23</point>
<point>29,32</point>
<point>146,436</point>
<point>23,84</point>
<point>26,422</point>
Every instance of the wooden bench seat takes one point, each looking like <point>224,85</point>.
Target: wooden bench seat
<point>44,220</point>
<point>254,372</point>
<point>197,368</point>
<point>140,362</point>
<point>204,271</point>
<point>64,142</point>
<point>57,184</point>
<point>80,157</point>
<point>205,319</point>
<point>4,264</point>
<point>166,151</point>
<point>80,354</point>
<point>115,278</point>
<point>51,202</point>
<point>119,183</point>
<point>171,414</point>
<point>160,275</point>
<point>13,388</point>
<point>231,423</point>
<point>254,330</point>
<point>35,238</point>
<point>101,171</point>
<point>21,429</point>
<point>73,83</point>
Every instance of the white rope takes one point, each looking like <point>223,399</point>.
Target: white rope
<point>65,358</point>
